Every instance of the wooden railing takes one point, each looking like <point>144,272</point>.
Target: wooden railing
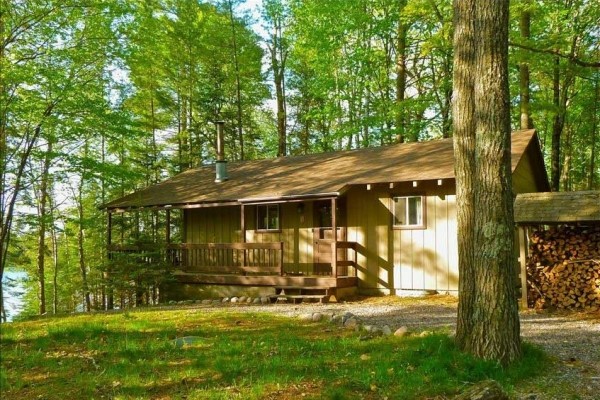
<point>228,258</point>
<point>240,258</point>
<point>344,264</point>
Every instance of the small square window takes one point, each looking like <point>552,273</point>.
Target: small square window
<point>408,212</point>
<point>267,217</point>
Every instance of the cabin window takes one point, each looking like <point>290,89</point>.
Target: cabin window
<point>267,217</point>
<point>408,212</point>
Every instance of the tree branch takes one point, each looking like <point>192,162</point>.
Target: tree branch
<point>570,57</point>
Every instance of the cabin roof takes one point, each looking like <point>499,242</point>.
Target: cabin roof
<point>325,174</point>
<point>557,207</point>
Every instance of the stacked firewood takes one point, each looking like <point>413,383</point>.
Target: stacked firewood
<point>563,268</point>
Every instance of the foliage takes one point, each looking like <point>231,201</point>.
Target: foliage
<point>116,95</point>
<point>247,355</point>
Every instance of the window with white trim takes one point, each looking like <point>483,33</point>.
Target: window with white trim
<point>408,212</point>
<point>267,217</point>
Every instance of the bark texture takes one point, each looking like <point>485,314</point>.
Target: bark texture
<point>488,321</point>
<point>464,148</point>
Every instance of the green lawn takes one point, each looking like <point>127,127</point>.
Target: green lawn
<point>239,355</point>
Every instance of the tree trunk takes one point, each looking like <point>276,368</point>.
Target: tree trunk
<point>524,84</point>
<point>54,237</point>
<point>238,86</point>
<point>557,127</point>
<point>592,174</point>
<point>464,148</point>
<point>42,214</point>
<point>81,238</point>
<point>401,77</point>
<point>488,320</point>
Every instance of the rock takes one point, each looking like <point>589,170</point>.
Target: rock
<point>346,317</point>
<point>242,299</point>
<point>264,300</point>
<point>386,330</point>
<point>206,301</point>
<point>485,390</point>
<point>425,333</point>
<point>305,317</point>
<point>234,299</point>
<point>216,302</point>
<point>365,357</point>
<point>337,319</point>
<point>402,331</point>
<point>351,323</point>
<point>172,302</point>
<point>256,300</point>
<point>249,300</point>
<point>225,300</point>
<point>316,317</point>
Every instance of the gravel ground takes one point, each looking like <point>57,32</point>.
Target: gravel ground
<point>571,339</point>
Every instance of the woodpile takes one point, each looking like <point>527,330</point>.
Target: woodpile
<point>563,268</point>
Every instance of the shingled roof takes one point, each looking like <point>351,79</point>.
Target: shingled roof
<point>325,174</point>
<point>557,207</point>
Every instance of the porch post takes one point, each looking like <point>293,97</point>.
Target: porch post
<point>109,229</point>
<point>334,232</point>
<point>243,232</point>
<point>168,226</point>
<point>523,264</point>
<point>109,300</point>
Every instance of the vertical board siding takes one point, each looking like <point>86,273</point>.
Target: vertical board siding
<point>404,259</point>
<point>441,244</point>
<point>430,258</point>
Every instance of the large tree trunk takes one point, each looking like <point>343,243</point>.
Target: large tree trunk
<point>464,147</point>
<point>488,320</point>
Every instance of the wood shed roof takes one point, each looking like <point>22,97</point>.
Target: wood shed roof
<point>557,207</point>
<point>326,174</point>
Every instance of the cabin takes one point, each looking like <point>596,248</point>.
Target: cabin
<point>372,221</point>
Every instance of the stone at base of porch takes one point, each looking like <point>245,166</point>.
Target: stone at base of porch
<point>207,286</point>
<point>195,291</point>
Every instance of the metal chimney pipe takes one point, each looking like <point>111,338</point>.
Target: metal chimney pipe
<point>221,164</point>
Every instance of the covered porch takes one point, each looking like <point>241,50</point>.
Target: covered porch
<point>279,243</point>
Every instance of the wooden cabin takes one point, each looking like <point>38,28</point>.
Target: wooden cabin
<point>374,220</point>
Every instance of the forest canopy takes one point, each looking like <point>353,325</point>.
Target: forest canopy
<point>99,98</point>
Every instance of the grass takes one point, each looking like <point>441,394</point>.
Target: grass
<point>238,355</point>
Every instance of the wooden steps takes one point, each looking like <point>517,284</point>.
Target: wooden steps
<point>302,293</point>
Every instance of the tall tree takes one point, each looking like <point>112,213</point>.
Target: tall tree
<point>276,15</point>
<point>524,80</point>
<point>488,320</point>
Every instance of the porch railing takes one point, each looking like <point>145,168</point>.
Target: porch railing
<point>345,261</point>
<point>230,258</point>
<point>242,258</point>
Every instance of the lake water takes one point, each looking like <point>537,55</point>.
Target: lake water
<point>13,292</point>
